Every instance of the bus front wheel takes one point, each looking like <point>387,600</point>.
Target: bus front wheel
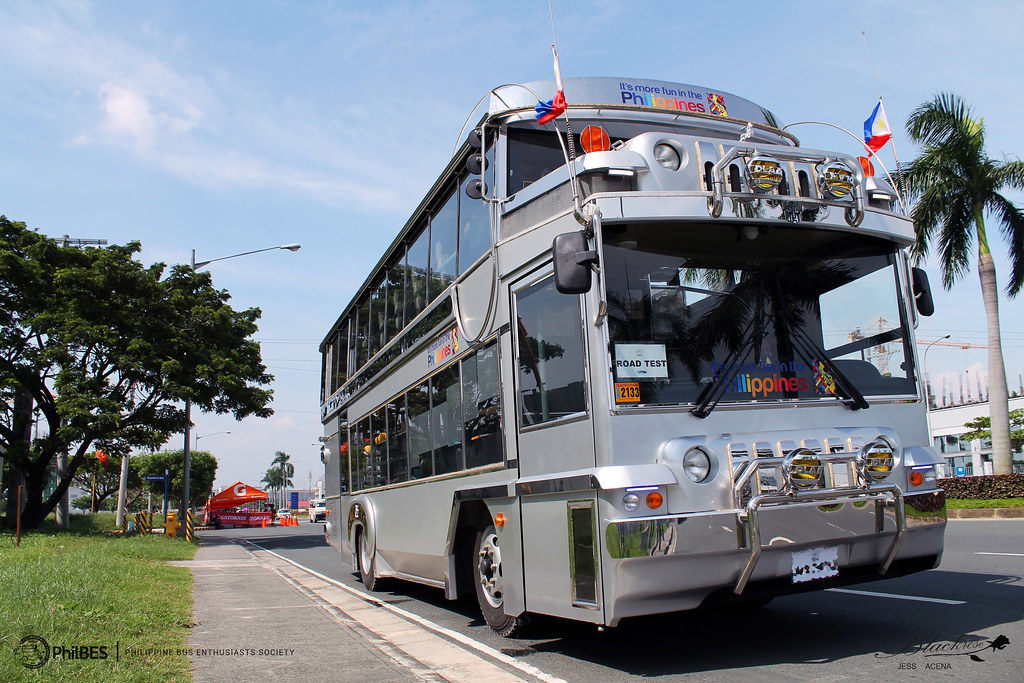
<point>489,583</point>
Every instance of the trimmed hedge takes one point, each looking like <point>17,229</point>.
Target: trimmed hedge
<point>989,486</point>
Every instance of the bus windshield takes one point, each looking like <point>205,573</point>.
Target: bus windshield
<point>701,315</point>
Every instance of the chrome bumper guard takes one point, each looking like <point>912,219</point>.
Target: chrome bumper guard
<point>787,495</point>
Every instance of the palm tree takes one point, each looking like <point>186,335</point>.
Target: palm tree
<point>954,183</point>
<point>286,469</point>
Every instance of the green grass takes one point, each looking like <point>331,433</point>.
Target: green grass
<point>89,587</point>
<point>975,503</point>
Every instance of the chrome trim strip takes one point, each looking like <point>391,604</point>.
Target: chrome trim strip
<point>582,482</point>
<point>483,493</point>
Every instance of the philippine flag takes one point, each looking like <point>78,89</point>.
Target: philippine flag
<point>552,109</point>
<point>876,129</point>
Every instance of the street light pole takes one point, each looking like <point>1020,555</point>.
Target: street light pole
<point>927,377</point>
<point>203,436</point>
<point>187,456</point>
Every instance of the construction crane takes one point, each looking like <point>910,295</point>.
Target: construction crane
<point>67,241</point>
<point>958,345</point>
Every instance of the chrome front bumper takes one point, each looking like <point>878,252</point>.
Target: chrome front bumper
<point>680,559</point>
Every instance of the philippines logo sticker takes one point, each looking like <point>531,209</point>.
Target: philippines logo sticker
<point>824,383</point>
<point>717,103</point>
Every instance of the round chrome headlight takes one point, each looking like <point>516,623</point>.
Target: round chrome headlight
<point>764,174</point>
<point>697,464</point>
<point>802,469</point>
<point>876,461</point>
<point>631,501</point>
<point>836,180</point>
<point>667,156</point>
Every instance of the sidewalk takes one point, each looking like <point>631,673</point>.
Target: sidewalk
<point>259,616</point>
<point>252,625</point>
<point>987,513</point>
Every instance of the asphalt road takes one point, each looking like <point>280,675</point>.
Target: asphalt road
<point>935,625</point>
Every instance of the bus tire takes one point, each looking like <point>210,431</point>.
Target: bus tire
<point>366,561</point>
<point>489,589</point>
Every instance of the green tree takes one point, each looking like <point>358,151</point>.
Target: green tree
<point>105,478</point>
<point>202,472</point>
<point>102,351</point>
<point>981,428</point>
<point>954,184</point>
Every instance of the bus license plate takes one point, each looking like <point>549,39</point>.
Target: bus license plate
<point>815,563</point>
<point>627,392</point>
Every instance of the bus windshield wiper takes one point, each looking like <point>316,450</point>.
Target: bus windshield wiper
<point>713,392</point>
<point>809,349</point>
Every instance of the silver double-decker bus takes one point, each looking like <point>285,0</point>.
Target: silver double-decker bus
<point>651,356</point>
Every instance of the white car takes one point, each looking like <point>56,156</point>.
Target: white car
<point>318,510</point>
<point>281,514</point>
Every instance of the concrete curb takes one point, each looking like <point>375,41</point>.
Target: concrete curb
<point>987,513</point>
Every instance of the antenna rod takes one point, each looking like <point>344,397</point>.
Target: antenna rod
<point>892,141</point>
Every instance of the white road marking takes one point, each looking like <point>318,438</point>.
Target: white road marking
<point>425,623</point>
<point>916,598</point>
<point>1003,554</point>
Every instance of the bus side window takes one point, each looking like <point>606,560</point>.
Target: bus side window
<point>481,394</point>
<point>398,447</point>
<point>444,230</point>
<point>446,420</point>
<point>416,275</point>
<point>361,454</point>
<point>421,464</point>
<point>475,216</point>
<point>550,345</point>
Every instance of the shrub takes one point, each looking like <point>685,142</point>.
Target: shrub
<point>990,486</point>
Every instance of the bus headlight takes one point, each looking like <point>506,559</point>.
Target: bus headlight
<point>697,464</point>
<point>667,156</point>
<point>802,469</point>
<point>631,501</point>
<point>876,461</point>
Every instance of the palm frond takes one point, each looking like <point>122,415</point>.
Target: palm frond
<point>1011,224</point>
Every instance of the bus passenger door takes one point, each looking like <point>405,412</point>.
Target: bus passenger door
<point>555,441</point>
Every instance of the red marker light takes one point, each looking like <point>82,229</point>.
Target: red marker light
<point>595,139</point>
<point>869,168</point>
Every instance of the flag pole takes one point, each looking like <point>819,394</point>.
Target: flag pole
<point>892,140</point>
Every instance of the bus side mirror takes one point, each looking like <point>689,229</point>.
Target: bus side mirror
<point>922,292</point>
<point>573,259</point>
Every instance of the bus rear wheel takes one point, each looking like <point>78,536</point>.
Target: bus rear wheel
<point>366,558</point>
<point>490,593</point>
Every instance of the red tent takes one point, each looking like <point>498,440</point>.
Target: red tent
<point>235,495</point>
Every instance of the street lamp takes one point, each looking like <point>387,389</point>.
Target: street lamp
<point>186,473</point>
<point>924,364</point>
<point>196,447</point>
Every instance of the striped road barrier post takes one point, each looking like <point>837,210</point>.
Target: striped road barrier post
<point>190,526</point>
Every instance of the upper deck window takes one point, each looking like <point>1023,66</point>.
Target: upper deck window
<point>533,151</point>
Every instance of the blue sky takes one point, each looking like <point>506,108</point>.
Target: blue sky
<point>236,125</point>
